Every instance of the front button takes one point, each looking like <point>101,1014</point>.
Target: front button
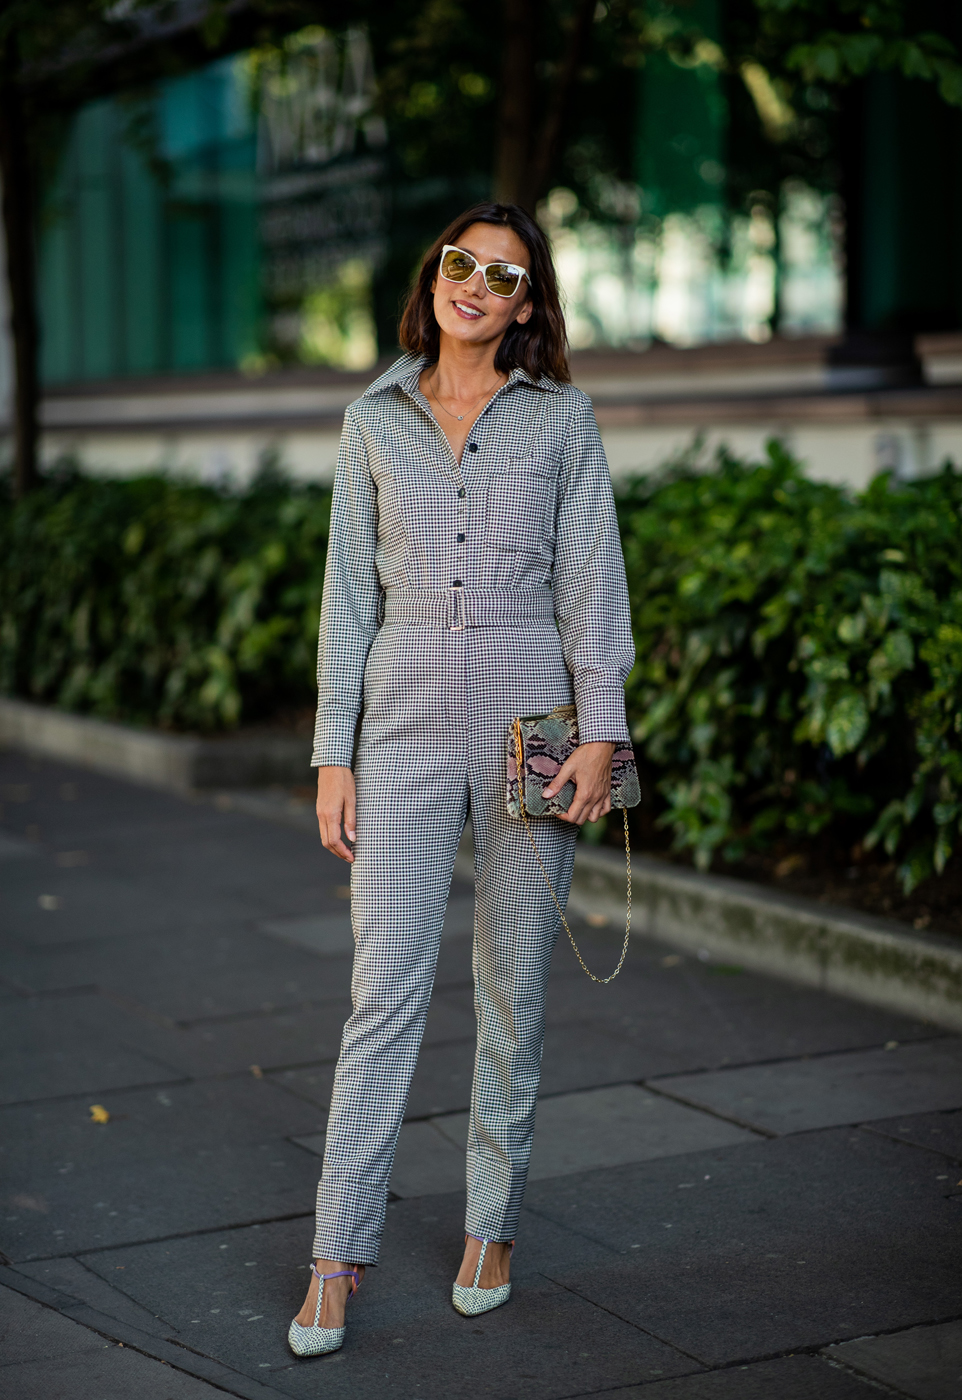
<point>472,447</point>
<point>457,583</point>
<point>460,539</point>
<point>461,492</point>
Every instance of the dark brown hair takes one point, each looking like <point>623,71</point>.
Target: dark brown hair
<point>540,346</point>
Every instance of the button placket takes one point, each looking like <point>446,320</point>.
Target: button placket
<point>460,533</point>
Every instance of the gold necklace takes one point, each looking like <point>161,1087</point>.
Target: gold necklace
<point>459,416</point>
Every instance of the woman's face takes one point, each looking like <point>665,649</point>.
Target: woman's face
<point>467,311</point>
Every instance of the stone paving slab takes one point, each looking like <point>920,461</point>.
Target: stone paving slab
<point>332,933</point>
<point>214,971</point>
<point>74,1280</point>
<point>574,1133</point>
<point>50,907</point>
<point>609,1128</point>
<point>115,1372</point>
<point>578,1057</point>
<point>404,1337</point>
<point>312,1082</point>
<point>831,1090</point>
<point>442,1079</point>
<point>49,1048</point>
<point>141,878</point>
<point>773,1246</point>
<point>113,1046</point>
<point>190,976</point>
<point>270,1041</point>
<point>99,1030</point>
<point>44,1356</point>
<point>186,1157</point>
<point>789,1378</point>
<point>678,1013</point>
<point>29,1332</point>
<point>14,848</point>
<point>940,1132</point>
<point>925,1362</point>
<point>426,1162</point>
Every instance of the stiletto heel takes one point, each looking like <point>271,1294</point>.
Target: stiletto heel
<point>317,1340</point>
<point>469,1302</point>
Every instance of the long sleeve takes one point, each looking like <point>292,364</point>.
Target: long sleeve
<point>590,588</point>
<point>349,610</point>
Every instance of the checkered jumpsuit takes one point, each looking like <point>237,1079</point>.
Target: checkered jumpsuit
<point>456,596</point>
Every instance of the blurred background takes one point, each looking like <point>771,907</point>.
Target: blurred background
<point>748,206</point>
<point>211,214</point>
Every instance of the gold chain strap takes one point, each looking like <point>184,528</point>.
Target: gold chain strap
<point>519,763</point>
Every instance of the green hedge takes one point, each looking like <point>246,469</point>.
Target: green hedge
<point>799,671</point>
<point>799,674</point>
<point>162,602</point>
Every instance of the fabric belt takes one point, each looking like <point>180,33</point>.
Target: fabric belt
<point>457,608</point>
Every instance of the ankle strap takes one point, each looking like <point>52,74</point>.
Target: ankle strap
<point>341,1273</point>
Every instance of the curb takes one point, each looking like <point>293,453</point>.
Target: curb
<point>848,954</point>
<point>180,762</point>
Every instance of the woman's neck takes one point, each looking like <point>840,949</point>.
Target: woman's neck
<point>465,372</point>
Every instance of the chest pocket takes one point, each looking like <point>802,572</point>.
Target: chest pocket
<point>420,504</point>
<point>521,506</point>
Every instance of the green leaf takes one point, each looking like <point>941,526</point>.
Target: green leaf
<point>852,629</point>
<point>847,723</point>
<point>944,843</point>
<point>899,651</point>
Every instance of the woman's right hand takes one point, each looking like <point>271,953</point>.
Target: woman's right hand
<point>336,804</point>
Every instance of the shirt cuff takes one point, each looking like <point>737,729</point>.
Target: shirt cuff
<point>601,716</point>
<point>334,739</point>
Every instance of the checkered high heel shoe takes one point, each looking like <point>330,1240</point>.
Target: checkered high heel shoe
<point>469,1302</point>
<point>316,1340</point>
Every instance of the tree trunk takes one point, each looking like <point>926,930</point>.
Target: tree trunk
<point>519,33</point>
<point>549,137</point>
<point>18,226</point>
<point>879,348</point>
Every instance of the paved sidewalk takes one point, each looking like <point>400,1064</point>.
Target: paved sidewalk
<point>740,1189</point>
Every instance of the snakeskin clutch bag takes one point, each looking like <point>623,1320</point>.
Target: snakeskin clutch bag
<point>537,747</point>
<point>546,742</point>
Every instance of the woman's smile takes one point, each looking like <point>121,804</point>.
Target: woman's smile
<point>467,310</point>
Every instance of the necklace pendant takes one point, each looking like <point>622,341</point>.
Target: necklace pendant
<point>460,417</point>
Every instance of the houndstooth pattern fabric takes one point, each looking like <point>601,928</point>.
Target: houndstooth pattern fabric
<point>445,641</point>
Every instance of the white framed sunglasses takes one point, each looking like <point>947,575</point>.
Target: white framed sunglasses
<point>502,279</point>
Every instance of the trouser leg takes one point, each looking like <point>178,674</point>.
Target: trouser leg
<point>411,812</point>
<point>516,927</point>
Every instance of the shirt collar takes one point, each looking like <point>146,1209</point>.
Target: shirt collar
<point>406,372</point>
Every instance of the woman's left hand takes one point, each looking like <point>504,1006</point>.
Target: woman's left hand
<point>589,768</point>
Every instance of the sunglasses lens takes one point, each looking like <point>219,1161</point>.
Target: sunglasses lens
<point>457,266</point>
<point>501,279</point>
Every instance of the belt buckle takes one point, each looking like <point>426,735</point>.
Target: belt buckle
<point>460,622</point>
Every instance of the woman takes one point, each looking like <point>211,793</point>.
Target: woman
<point>474,573</point>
